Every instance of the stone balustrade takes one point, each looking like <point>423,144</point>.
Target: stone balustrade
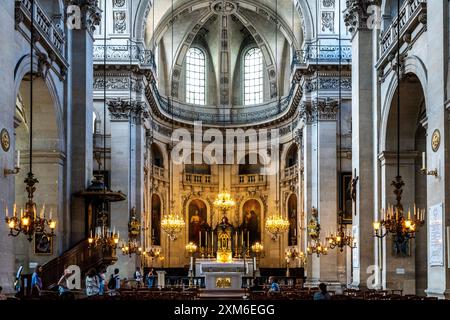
<point>190,178</point>
<point>411,14</point>
<point>158,172</point>
<point>291,172</point>
<point>124,55</point>
<point>251,179</point>
<point>320,54</point>
<point>52,35</point>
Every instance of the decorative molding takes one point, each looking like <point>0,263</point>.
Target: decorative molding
<point>328,21</point>
<point>119,3</point>
<point>119,21</point>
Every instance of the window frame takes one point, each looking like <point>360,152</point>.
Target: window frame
<point>205,89</point>
<point>243,76</point>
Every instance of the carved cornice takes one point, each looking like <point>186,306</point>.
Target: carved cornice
<point>132,110</point>
<point>91,14</point>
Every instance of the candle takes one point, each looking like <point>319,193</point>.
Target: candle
<point>248,239</point>
<point>21,213</point>
<point>51,213</point>
<point>206,240</point>
<point>242,239</point>
<point>424,160</point>
<point>15,210</point>
<point>7,213</point>
<point>200,238</point>
<point>235,241</point>
<point>34,212</point>
<point>18,159</point>
<point>409,214</point>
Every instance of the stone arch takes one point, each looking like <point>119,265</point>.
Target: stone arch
<point>413,111</point>
<point>412,65</point>
<point>160,148</point>
<point>287,150</point>
<point>306,16</point>
<point>49,147</point>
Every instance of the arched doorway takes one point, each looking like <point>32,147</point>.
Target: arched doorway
<point>410,257</point>
<point>156,220</point>
<point>198,220</point>
<point>292,214</point>
<point>251,221</point>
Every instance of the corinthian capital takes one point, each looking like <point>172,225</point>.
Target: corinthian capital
<point>358,13</point>
<point>91,14</point>
<point>124,110</point>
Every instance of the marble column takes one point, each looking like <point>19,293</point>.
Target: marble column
<point>438,111</point>
<point>363,155</point>
<point>308,164</point>
<point>80,111</point>
<point>7,110</point>
<point>326,266</point>
<point>126,138</point>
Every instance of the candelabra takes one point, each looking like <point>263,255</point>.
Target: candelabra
<point>394,221</point>
<point>191,248</point>
<point>104,237</point>
<point>257,249</point>
<point>342,238</point>
<point>29,223</point>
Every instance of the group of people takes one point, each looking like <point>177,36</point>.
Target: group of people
<point>149,279</point>
<point>95,283</point>
<point>274,288</point>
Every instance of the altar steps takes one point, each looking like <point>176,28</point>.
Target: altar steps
<point>221,294</point>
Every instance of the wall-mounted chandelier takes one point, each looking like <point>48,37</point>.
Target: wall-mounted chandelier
<point>28,222</point>
<point>342,237</point>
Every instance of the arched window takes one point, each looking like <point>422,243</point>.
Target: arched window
<point>253,77</point>
<point>195,76</point>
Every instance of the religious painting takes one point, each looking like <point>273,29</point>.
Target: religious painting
<point>292,214</point>
<point>345,198</point>
<point>251,221</point>
<point>43,244</point>
<point>197,220</point>
<point>156,220</point>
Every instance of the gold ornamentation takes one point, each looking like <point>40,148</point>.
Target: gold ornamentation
<point>223,282</point>
<point>436,140</point>
<point>5,140</point>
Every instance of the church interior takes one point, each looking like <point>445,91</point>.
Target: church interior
<point>195,149</point>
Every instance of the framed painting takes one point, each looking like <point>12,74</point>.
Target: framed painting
<point>43,245</point>
<point>345,196</point>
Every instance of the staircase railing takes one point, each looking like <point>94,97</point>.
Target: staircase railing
<point>81,255</point>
